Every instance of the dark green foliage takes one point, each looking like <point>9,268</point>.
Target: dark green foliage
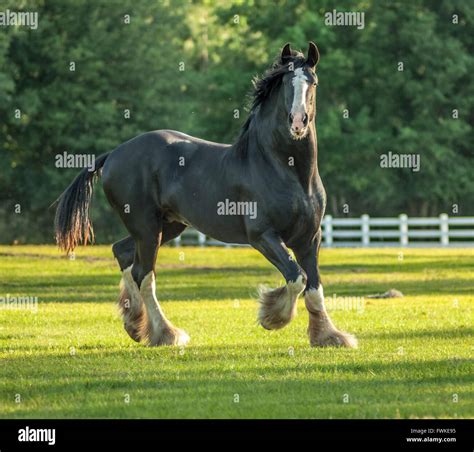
<point>222,45</point>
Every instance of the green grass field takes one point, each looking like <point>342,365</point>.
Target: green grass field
<point>72,358</point>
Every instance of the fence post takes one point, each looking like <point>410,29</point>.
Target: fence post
<point>444,228</point>
<point>403,229</point>
<point>201,238</point>
<point>328,230</point>
<point>365,228</point>
<point>177,241</point>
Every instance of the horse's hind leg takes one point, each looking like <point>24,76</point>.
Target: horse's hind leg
<point>131,305</point>
<point>130,301</point>
<point>124,250</point>
<point>156,329</point>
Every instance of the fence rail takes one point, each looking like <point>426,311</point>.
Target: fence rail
<point>365,231</point>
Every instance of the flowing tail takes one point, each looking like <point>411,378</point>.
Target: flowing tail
<point>72,223</point>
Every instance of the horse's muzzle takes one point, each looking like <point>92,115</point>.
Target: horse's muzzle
<point>298,124</point>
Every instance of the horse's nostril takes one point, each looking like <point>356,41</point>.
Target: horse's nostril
<point>290,118</point>
<point>305,119</point>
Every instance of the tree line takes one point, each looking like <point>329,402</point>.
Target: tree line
<point>96,73</point>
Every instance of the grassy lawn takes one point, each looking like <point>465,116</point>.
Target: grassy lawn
<point>72,358</point>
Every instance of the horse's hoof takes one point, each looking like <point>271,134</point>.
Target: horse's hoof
<point>132,331</point>
<point>278,306</point>
<point>181,338</point>
<point>170,336</point>
<point>334,338</point>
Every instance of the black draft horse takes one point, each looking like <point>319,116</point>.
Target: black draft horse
<point>163,181</point>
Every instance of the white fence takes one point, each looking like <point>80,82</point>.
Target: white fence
<point>365,231</point>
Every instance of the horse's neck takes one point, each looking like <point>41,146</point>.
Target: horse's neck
<point>296,155</point>
<point>306,160</point>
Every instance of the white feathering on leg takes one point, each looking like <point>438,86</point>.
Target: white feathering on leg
<point>278,306</point>
<point>315,298</point>
<point>158,329</point>
<point>322,332</point>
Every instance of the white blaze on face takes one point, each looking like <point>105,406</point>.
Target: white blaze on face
<point>298,108</point>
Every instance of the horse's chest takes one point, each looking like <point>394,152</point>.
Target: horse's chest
<point>303,216</point>
<point>297,214</point>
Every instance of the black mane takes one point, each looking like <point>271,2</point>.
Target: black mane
<point>263,87</point>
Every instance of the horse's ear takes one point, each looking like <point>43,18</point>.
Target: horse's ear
<point>313,55</point>
<point>285,52</point>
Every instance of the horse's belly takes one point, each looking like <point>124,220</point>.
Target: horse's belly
<point>227,229</point>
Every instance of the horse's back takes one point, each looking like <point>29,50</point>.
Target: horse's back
<point>155,146</point>
<point>156,161</point>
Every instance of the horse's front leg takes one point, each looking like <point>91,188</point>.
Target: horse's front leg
<point>322,332</point>
<point>278,306</point>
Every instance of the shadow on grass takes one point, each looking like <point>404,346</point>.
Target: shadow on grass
<point>195,283</point>
<point>283,385</point>
<point>204,354</point>
<point>79,290</point>
<point>455,333</point>
<point>405,266</point>
<point>438,333</point>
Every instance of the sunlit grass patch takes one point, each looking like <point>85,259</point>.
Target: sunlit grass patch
<point>72,357</point>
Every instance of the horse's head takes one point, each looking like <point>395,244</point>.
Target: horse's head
<point>299,85</point>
